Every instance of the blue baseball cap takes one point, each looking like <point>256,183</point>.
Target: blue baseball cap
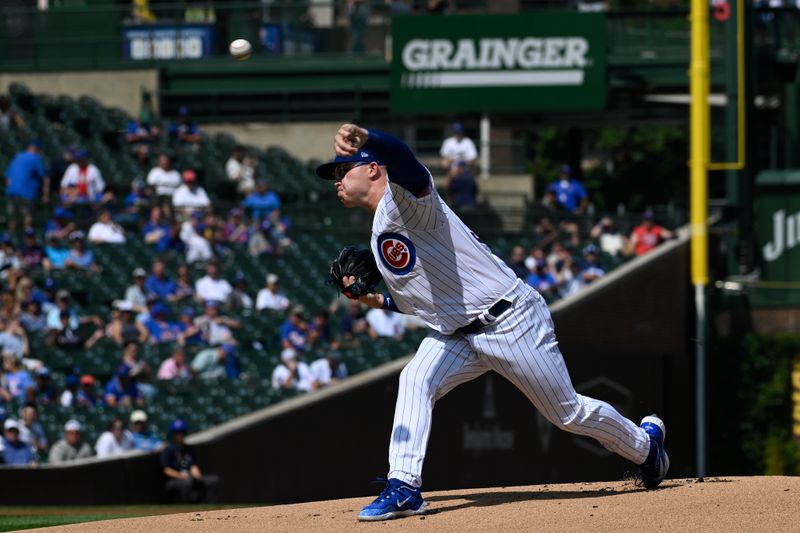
<point>123,370</point>
<point>159,309</point>
<point>457,127</point>
<point>325,170</point>
<point>591,249</point>
<point>179,426</point>
<point>228,349</point>
<point>71,380</point>
<point>566,169</point>
<point>62,212</point>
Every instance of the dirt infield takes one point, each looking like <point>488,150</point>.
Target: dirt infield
<point>714,504</point>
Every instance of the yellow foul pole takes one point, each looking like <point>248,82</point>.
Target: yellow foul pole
<point>699,154</point>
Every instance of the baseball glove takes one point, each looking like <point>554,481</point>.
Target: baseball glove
<point>359,263</point>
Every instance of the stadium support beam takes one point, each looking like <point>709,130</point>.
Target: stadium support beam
<point>699,158</point>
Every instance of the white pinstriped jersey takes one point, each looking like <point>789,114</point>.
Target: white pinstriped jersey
<point>434,266</point>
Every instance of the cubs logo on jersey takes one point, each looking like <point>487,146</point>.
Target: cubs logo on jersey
<point>397,253</point>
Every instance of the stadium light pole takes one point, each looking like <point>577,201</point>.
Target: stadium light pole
<point>699,158</point>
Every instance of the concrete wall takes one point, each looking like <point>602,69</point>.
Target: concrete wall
<point>113,88</point>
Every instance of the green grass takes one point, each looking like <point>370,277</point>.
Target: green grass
<point>15,518</point>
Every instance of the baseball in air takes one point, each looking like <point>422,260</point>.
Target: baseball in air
<point>240,49</point>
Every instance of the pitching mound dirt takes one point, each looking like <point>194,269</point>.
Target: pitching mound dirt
<point>714,504</point>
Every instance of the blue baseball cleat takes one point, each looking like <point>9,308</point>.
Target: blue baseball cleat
<point>397,499</point>
<point>654,469</point>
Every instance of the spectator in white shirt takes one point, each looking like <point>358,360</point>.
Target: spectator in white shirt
<point>241,170</point>
<point>328,370</point>
<point>197,247</point>
<point>82,182</point>
<point>292,374</point>
<point>270,298</point>
<point>385,323</point>
<point>105,230</point>
<point>165,180</point>
<point>211,286</point>
<point>190,197</point>
<point>115,441</point>
<point>135,294</point>
<point>457,148</point>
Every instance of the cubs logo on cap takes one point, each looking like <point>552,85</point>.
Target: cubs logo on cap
<point>397,253</point>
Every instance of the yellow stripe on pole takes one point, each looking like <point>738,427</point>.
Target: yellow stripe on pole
<point>699,152</point>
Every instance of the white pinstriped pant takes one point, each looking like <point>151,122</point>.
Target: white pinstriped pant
<point>520,346</point>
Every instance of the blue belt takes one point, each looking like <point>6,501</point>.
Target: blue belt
<point>494,311</point>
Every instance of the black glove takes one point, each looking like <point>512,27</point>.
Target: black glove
<point>360,264</point>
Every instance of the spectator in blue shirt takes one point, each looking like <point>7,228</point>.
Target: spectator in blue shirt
<point>142,438</point>
<point>79,257</point>
<point>56,252</point>
<point>568,193</point>
<point>26,182</point>
<point>157,232</point>
<point>591,270</point>
<point>137,203</point>
<point>15,452</point>
<point>161,329</point>
<point>121,390</point>
<point>160,284</point>
<point>185,130</point>
<point>140,135</point>
<point>540,279</point>
<point>19,382</point>
<point>61,225</point>
<point>262,202</point>
<point>294,332</point>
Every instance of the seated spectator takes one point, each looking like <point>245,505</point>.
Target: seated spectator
<point>457,148</point>
<point>140,135</point>
<point>62,303</point>
<point>14,340</point>
<point>292,373</point>
<point>354,321</point>
<point>143,440</point>
<point>71,447</point>
<point>138,370</point>
<point>57,253</point>
<point>160,284</point>
<point>68,338</point>
<point>125,328</point>
<point>328,370</point>
<point>211,286</point>
<point>14,451</point>
<point>191,333</point>
<point>115,440</point>
<point>122,390</point>
<point>239,300</point>
<point>184,288</point>
<point>86,397</point>
<point>184,479</point>
<point>241,170</point>
<point>190,197</point>
<point>19,384</point>
<point>31,254</point>
<point>385,323</point>
<point>591,271</point>
<point>135,294</point>
<point>83,183</point>
<point>294,331</point>
<point>197,246</point>
<point>10,263</point>
<point>215,328</point>
<point>216,362</point>
<point>165,180</point>
<point>319,331</point>
<point>184,129</point>
<point>31,431</point>
<point>575,283</point>
<point>46,393</point>
<point>647,235</point>
<point>174,366</point>
<point>106,231</point>
<point>157,232</point>
<point>611,240</point>
<point>270,297</point>
<point>61,225</point>
<point>137,203</point>
<point>236,230</point>
<point>69,395</point>
<point>9,118</point>
<point>517,262</point>
<point>262,202</point>
<point>79,257</point>
<point>160,328</point>
<point>569,193</point>
<point>541,279</point>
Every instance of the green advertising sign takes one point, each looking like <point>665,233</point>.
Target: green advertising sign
<point>521,62</point>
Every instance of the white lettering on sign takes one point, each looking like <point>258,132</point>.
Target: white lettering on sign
<point>785,235</point>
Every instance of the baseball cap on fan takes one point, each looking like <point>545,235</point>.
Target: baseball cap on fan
<point>325,170</point>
